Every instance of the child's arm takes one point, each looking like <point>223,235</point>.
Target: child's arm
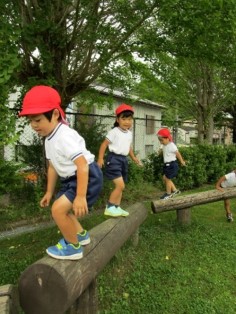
<point>133,157</point>
<point>80,206</point>
<point>101,153</point>
<point>51,183</point>
<point>218,183</point>
<point>180,158</point>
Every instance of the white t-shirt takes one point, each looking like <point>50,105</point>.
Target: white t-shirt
<point>230,180</point>
<point>63,146</point>
<point>120,141</point>
<point>169,152</point>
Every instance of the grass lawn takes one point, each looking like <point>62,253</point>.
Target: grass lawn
<point>174,269</point>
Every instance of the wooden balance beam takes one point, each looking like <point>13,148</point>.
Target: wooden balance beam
<point>53,286</point>
<point>182,204</point>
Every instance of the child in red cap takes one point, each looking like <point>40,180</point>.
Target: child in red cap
<point>118,140</point>
<point>68,158</point>
<point>170,168</point>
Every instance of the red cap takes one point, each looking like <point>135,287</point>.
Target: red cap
<point>40,99</point>
<point>123,107</point>
<point>164,133</point>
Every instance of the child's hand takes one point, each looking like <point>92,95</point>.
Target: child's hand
<point>183,163</point>
<point>137,161</point>
<point>45,201</point>
<point>219,188</point>
<point>80,206</point>
<point>100,163</point>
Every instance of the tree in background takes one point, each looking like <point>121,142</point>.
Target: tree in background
<point>70,44</point>
<point>189,62</point>
<point>8,65</point>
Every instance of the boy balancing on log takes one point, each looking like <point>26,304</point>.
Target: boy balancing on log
<point>68,158</point>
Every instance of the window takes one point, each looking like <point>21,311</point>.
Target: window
<point>150,124</point>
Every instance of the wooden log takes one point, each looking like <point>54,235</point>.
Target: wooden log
<point>8,300</point>
<point>87,302</point>
<point>188,201</point>
<point>52,286</point>
<point>184,216</point>
<point>135,238</point>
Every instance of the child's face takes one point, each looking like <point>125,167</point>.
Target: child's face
<point>163,140</point>
<point>125,123</point>
<point>41,125</point>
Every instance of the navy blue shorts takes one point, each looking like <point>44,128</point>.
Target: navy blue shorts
<point>170,169</point>
<point>69,186</point>
<point>116,166</point>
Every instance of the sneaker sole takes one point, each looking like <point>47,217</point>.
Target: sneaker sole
<point>175,194</point>
<point>69,257</point>
<point>115,215</point>
<point>165,199</point>
<point>85,242</point>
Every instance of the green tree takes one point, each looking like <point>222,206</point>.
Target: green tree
<point>9,62</point>
<point>189,59</point>
<point>70,44</point>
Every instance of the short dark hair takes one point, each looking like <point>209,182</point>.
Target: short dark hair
<point>49,114</point>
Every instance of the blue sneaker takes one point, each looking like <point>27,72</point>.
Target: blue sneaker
<point>84,238</point>
<point>65,251</point>
<point>114,211</point>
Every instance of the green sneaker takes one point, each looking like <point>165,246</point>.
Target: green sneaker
<point>114,211</point>
<point>125,213</point>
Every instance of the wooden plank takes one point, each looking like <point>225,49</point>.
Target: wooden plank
<point>54,285</point>
<point>188,201</point>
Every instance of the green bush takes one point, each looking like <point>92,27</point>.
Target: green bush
<point>9,177</point>
<point>135,173</point>
<point>194,173</point>
<point>230,158</point>
<point>93,133</point>
<point>215,157</point>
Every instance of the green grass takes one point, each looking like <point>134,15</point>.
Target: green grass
<point>174,269</point>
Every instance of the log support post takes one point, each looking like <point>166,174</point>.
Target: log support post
<point>184,216</point>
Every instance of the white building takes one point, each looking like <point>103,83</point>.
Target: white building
<point>146,123</point>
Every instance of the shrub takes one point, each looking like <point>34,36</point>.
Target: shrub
<point>9,177</point>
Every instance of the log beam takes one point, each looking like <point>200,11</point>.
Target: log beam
<point>188,201</point>
<point>52,286</point>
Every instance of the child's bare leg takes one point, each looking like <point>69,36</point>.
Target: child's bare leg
<point>227,206</point>
<point>168,184</point>
<point>173,187</point>
<point>67,226</point>
<point>77,224</point>
<point>116,194</point>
